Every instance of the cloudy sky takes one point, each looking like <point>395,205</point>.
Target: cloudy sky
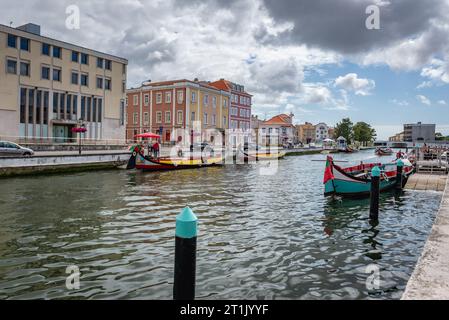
<point>315,58</point>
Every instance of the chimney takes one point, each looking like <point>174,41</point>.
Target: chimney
<point>196,80</point>
<point>31,28</point>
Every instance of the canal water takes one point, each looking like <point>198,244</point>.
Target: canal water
<point>260,236</point>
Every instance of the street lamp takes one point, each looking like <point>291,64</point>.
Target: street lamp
<point>81,129</point>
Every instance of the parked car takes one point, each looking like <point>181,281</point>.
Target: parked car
<point>11,149</point>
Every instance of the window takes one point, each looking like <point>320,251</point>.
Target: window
<point>30,105</point>
<point>214,119</point>
<point>135,100</point>
<point>57,52</point>
<point>124,68</point>
<point>23,94</point>
<point>74,77</point>
<point>75,56</point>
<point>192,116</point>
<point>100,63</point>
<point>100,109</point>
<point>46,102</point>
<point>167,116</point>
<point>85,80</point>
<point>193,96</point>
<point>123,86</point>
<point>75,105</point>
<point>94,110</point>
<point>84,58</point>
<point>89,109</point>
<point>159,117</point>
<point>11,66</point>
<point>83,108</point>
<point>62,106</point>
<point>205,118</point>
<point>107,84</point>
<point>180,117</point>
<point>225,103</point>
<point>135,118</point>
<point>99,83</point>
<point>122,113</point>
<point>158,98</point>
<point>45,49</point>
<point>25,69</point>
<point>168,97</point>
<point>126,101</point>
<point>206,100</point>
<point>214,101</point>
<point>180,96</point>
<point>146,99</point>
<point>24,44</point>
<point>12,41</point>
<point>108,65</point>
<point>224,121</point>
<point>146,118</point>
<point>45,73</point>
<point>56,74</point>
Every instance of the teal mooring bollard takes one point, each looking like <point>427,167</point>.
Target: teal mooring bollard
<point>399,174</point>
<point>374,197</point>
<point>185,255</point>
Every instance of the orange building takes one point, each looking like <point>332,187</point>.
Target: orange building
<point>241,101</point>
<point>164,107</point>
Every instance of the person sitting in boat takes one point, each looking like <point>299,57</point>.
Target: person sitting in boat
<point>156,149</point>
<point>399,155</point>
<point>150,149</point>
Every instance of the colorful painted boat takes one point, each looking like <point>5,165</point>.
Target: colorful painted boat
<point>356,180</point>
<point>263,156</point>
<point>383,151</point>
<point>347,150</point>
<point>145,163</point>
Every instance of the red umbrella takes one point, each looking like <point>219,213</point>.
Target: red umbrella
<point>148,135</point>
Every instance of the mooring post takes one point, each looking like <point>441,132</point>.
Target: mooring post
<point>399,174</point>
<point>245,151</point>
<point>374,198</point>
<point>185,255</point>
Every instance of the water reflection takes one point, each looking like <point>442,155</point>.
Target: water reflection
<point>261,237</point>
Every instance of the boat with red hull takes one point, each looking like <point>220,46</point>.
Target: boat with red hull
<point>147,163</point>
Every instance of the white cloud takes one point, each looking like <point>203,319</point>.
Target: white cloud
<point>442,102</point>
<point>424,84</point>
<point>423,99</point>
<point>401,103</point>
<point>351,82</point>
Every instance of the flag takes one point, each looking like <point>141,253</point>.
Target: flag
<point>328,174</point>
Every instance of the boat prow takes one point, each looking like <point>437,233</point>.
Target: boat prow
<point>355,181</point>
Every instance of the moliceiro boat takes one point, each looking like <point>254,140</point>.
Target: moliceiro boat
<point>383,151</point>
<point>356,180</point>
<point>146,163</point>
<point>261,155</point>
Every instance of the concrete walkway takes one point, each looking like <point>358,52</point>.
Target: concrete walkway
<point>430,280</point>
<point>422,181</point>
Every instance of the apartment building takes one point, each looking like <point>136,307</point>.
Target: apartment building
<point>322,132</point>
<point>241,102</point>
<point>419,132</point>
<point>165,107</point>
<point>278,130</point>
<point>48,86</point>
<point>306,133</point>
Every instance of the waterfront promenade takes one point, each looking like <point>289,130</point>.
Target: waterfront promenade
<point>430,280</point>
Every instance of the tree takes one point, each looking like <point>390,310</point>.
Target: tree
<point>364,133</point>
<point>344,129</point>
